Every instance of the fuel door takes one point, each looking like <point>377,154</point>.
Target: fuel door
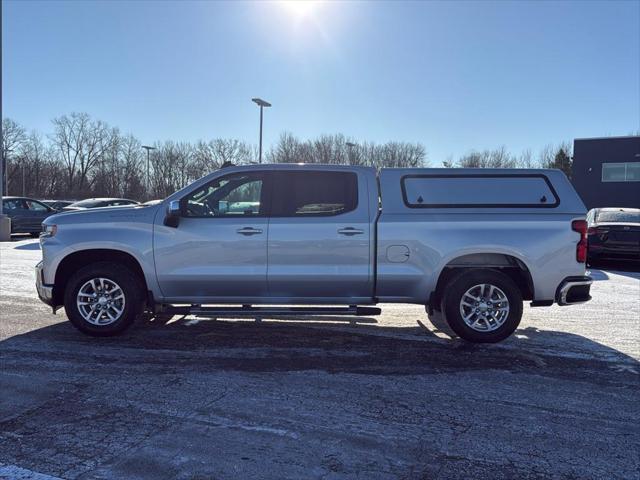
<point>398,253</point>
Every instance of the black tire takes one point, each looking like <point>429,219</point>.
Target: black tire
<point>132,289</point>
<point>464,281</point>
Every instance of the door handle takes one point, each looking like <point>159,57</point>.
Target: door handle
<point>248,231</point>
<point>350,231</point>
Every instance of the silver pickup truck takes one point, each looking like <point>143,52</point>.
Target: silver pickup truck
<point>468,244</point>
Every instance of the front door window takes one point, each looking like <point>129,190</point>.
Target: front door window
<point>232,196</point>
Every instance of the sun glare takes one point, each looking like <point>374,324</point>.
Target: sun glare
<point>300,9</point>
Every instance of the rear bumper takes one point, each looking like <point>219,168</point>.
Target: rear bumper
<point>574,290</point>
<point>613,254</point>
<point>21,225</point>
<point>45,292</point>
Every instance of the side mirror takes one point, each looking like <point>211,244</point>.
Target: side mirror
<point>172,218</point>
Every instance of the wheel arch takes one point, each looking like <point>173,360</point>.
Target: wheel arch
<point>72,262</point>
<point>506,263</point>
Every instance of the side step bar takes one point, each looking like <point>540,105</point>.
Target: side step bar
<point>250,311</point>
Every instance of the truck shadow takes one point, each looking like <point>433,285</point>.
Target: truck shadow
<point>35,245</point>
<point>598,275</point>
<point>160,345</point>
<point>628,269</point>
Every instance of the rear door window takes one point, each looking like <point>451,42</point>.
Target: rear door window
<point>478,191</point>
<point>14,205</point>
<point>314,194</point>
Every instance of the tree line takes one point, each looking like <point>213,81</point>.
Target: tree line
<point>84,157</point>
<point>551,156</point>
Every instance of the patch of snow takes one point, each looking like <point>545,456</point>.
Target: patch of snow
<point>12,472</point>
<point>17,268</point>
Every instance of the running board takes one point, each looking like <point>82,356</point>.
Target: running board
<point>250,311</point>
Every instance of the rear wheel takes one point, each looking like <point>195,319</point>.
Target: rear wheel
<point>103,299</point>
<point>482,305</point>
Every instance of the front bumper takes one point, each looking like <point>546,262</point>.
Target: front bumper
<point>45,292</point>
<point>574,290</point>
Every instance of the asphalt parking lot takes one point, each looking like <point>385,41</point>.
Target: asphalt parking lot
<point>380,397</point>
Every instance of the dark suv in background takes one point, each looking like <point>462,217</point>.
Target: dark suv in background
<point>27,214</point>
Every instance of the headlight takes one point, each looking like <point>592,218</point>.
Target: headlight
<point>49,230</point>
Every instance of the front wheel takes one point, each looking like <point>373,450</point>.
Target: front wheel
<point>483,306</point>
<point>103,299</point>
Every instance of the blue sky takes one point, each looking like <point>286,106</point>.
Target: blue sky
<point>453,76</point>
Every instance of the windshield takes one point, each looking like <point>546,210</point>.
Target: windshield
<point>618,216</point>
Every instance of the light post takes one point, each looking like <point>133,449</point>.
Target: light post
<point>4,174</point>
<point>2,182</point>
<point>3,169</point>
<point>147,148</point>
<point>350,146</point>
<point>5,221</point>
<point>262,104</point>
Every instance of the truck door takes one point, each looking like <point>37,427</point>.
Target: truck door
<point>319,234</point>
<point>219,249</point>
<point>17,210</point>
<point>36,213</point>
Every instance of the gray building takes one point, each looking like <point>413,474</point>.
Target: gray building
<point>606,171</point>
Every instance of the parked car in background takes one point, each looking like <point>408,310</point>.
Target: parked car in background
<point>471,244</point>
<point>152,202</point>
<point>100,202</point>
<point>614,234</point>
<point>58,204</point>
<point>27,214</point>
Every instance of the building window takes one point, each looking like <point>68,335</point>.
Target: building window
<point>621,172</point>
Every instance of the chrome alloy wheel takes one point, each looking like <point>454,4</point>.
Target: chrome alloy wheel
<point>100,301</point>
<point>484,307</point>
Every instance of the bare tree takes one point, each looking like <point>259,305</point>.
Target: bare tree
<point>546,154</point>
<point>131,167</point>
<point>80,142</point>
<point>209,156</point>
<point>13,139</point>
<point>525,160</point>
<point>333,150</point>
<point>288,149</point>
<point>34,155</point>
<point>13,135</point>
<point>557,156</point>
<point>497,158</point>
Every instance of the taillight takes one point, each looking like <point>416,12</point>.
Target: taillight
<point>580,226</point>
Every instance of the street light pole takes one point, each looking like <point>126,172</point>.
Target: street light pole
<point>262,104</point>
<point>147,148</point>
<point>3,169</point>
<point>5,221</point>
<point>2,181</point>
<point>5,172</point>
<point>350,146</point>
